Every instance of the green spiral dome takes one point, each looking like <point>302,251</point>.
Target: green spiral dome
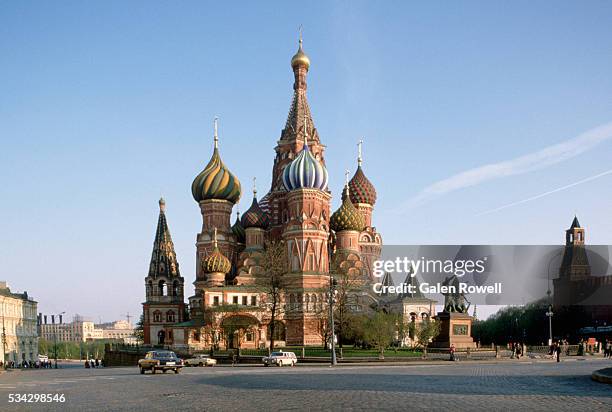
<point>216,182</point>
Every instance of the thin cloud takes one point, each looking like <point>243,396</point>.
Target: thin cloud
<point>550,192</point>
<point>534,161</point>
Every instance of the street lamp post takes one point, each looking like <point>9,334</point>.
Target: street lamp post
<point>550,313</point>
<point>3,341</point>
<point>55,339</point>
<point>332,289</point>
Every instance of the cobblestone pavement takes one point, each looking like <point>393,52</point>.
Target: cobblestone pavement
<point>539,385</point>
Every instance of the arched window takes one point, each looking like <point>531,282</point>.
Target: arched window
<point>170,316</point>
<point>161,337</point>
<point>157,316</point>
<point>175,288</point>
<point>307,302</point>
<point>150,288</point>
<point>163,288</point>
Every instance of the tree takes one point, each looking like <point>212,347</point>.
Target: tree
<point>273,282</point>
<point>426,331</point>
<point>139,330</point>
<point>380,330</point>
<point>346,300</point>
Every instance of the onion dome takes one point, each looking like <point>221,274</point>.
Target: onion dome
<point>255,216</point>
<point>216,181</point>
<point>264,203</point>
<point>361,189</point>
<point>238,229</point>
<point>347,217</point>
<point>300,58</point>
<point>215,261</point>
<point>305,171</point>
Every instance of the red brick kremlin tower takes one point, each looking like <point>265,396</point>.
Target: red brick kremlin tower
<point>228,308</point>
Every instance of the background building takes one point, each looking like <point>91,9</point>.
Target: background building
<point>82,330</point>
<point>18,333</point>
<point>118,330</point>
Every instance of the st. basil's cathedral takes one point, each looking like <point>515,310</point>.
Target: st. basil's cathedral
<point>295,212</point>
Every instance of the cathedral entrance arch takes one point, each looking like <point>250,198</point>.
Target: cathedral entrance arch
<point>240,331</point>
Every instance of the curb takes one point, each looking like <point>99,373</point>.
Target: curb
<point>603,375</point>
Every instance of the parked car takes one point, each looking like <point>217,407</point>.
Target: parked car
<point>200,360</point>
<point>280,359</point>
<point>160,360</point>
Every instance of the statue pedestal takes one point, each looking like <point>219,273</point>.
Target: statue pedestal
<point>456,329</point>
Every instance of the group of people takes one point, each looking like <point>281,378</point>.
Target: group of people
<point>92,363</point>
<point>608,349</point>
<point>555,349</point>
<point>39,364</point>
<point>517,350</point>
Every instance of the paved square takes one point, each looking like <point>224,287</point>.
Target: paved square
<point>462,386</point>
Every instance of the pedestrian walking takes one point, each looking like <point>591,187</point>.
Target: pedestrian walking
<point>452,352</point>
<point>558,351</point>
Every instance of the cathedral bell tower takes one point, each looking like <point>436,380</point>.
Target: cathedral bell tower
<point>165,304</point>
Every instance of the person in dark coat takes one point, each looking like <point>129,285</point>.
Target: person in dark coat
<point>558,351</point>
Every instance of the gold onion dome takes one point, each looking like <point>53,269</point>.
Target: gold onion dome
<point>300,58</point>
<point>216,181</point>
<point>347,217</point>
<point>238,229</point>
<point>216,262</point>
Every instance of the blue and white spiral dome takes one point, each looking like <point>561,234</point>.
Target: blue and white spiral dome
<point>305,172</point>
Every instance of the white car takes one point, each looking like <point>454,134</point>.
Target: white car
<point>280,359</point>
<point>200,360</point>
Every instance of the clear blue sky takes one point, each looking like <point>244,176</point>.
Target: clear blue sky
<point>105,106</point>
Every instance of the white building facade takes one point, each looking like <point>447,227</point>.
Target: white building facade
<point>19,337</point>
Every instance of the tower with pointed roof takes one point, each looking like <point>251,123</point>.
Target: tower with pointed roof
<point>305,231</point>
<point>575,264</point>
<point>299,130</point>
<point>164,305</point>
